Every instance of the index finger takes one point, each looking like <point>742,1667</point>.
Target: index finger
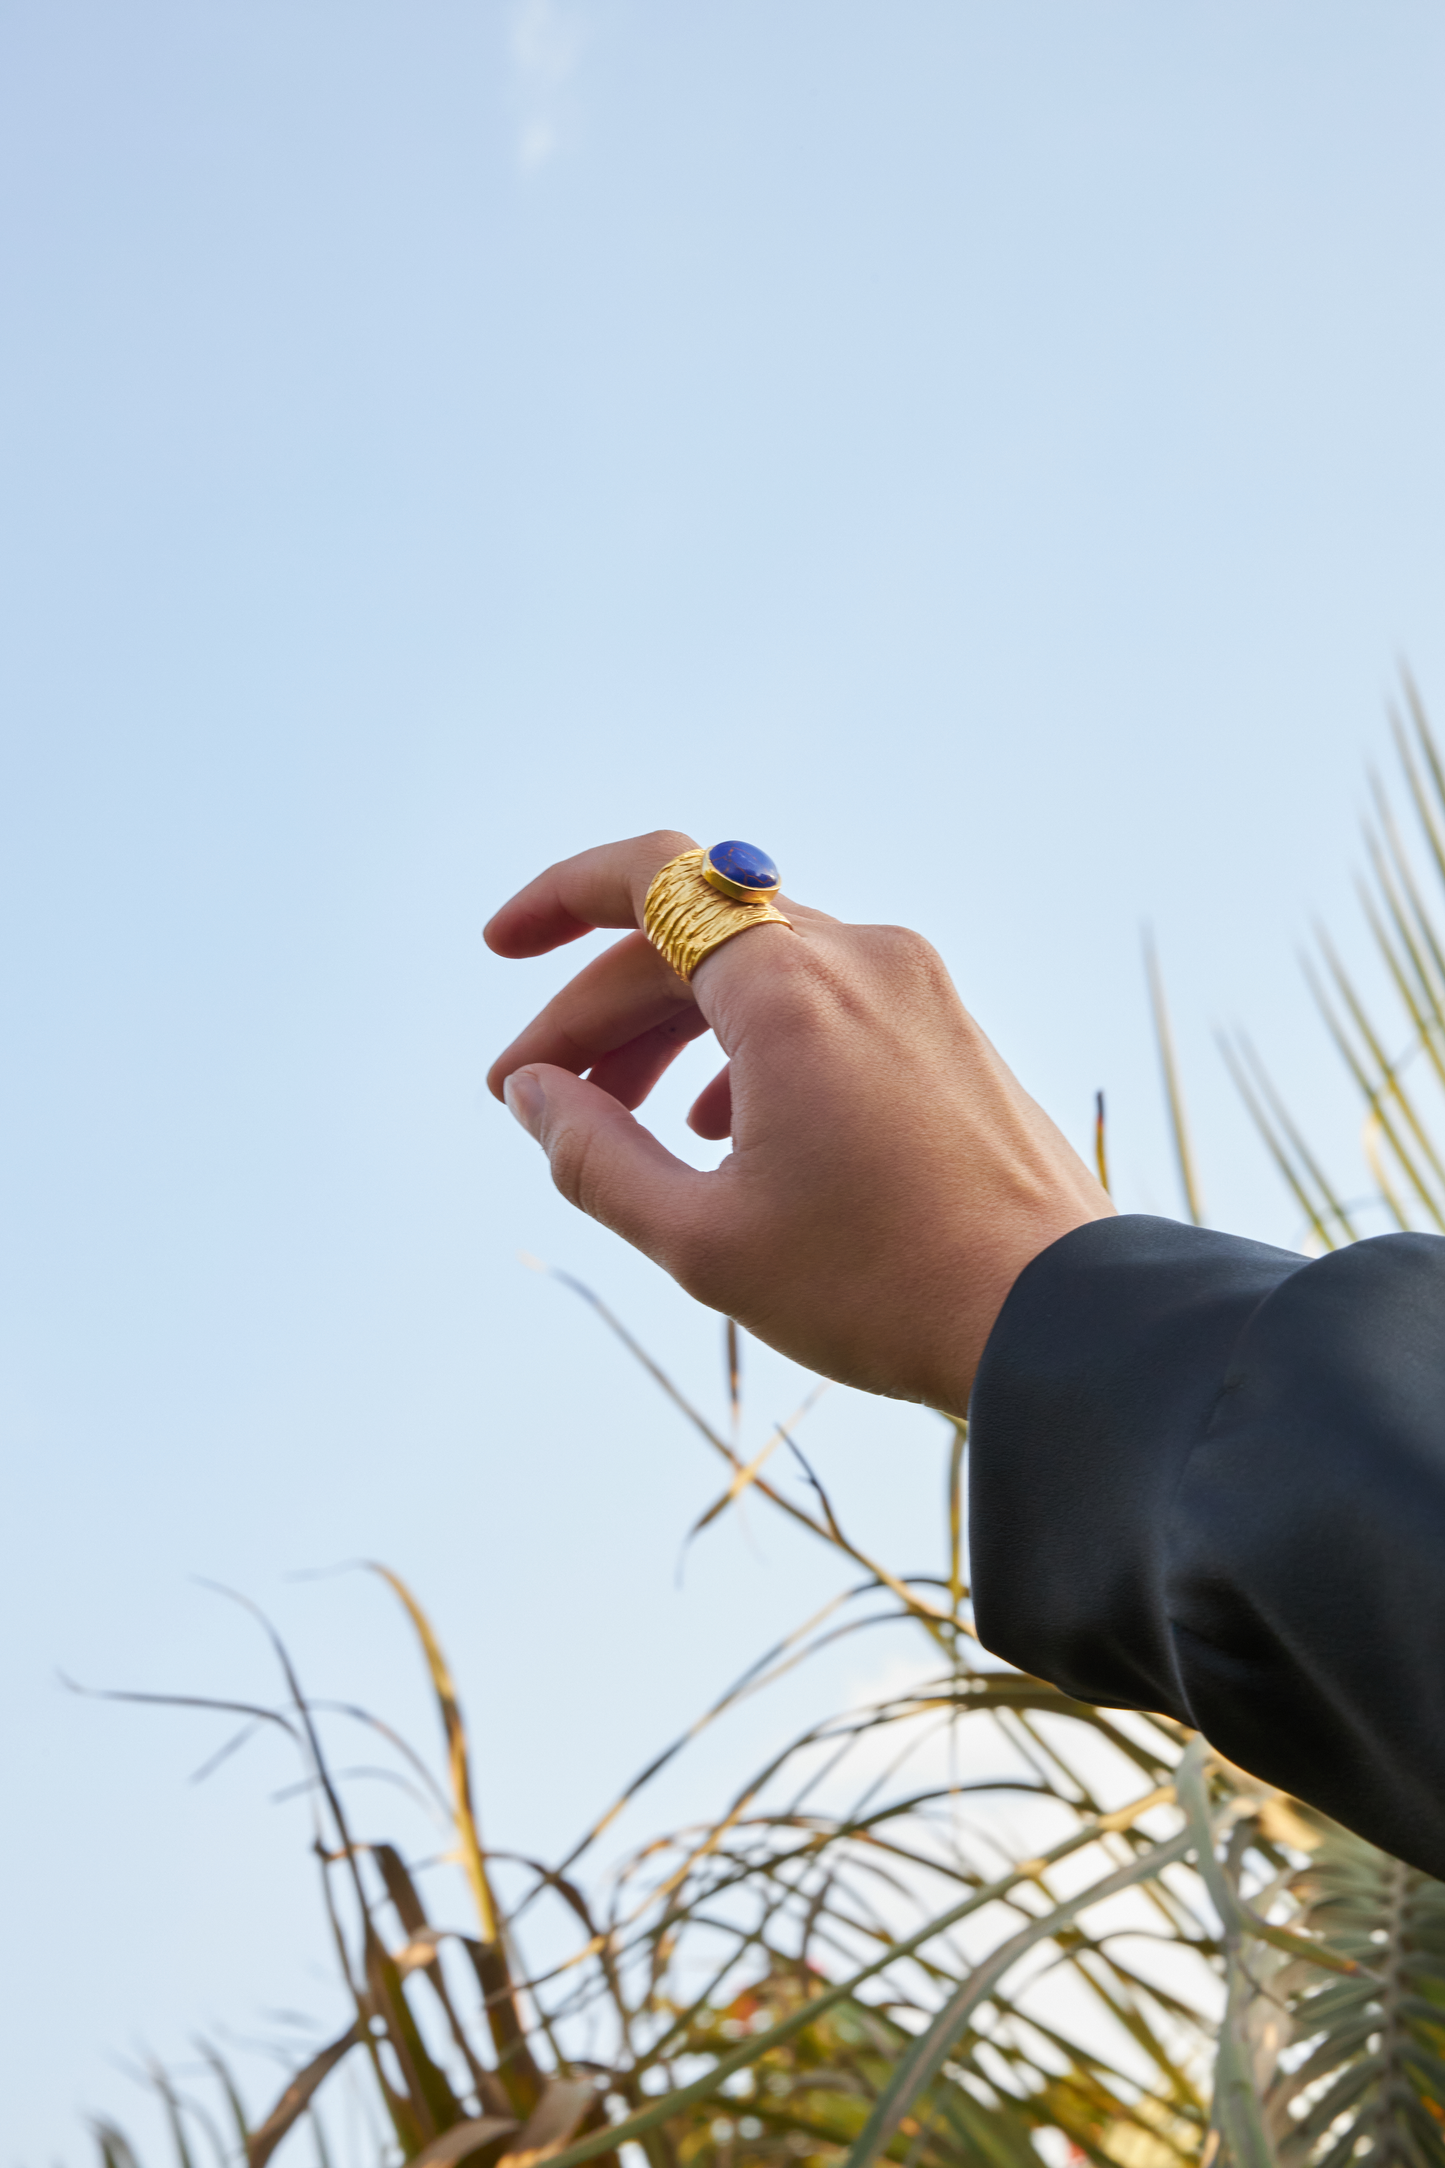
<point>602,887</point>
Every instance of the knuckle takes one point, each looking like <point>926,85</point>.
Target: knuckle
<point>910,960</point>
<point>648,855</point>
<point>662,844</point>
<point>910,950</point>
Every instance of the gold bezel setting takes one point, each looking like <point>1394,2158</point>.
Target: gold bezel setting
<point>741,891</point>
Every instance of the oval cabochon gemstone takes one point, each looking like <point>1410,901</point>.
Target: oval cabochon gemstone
<point>745,864</point>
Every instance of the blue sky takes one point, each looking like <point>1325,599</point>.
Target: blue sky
<point>990,456</point>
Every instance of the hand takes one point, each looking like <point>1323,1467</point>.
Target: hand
<point>889,1179</point>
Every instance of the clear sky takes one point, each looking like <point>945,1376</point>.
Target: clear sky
<point>991,456</point>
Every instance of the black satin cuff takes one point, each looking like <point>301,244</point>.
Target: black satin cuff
<point>1097,1381</point>
<point>1208,1478</point>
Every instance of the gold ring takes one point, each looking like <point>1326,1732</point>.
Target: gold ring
<point>702,898</point>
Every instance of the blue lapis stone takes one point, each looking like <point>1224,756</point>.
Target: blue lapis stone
<point>744,865</point>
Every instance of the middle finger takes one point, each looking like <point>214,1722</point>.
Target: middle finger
<point>626,992</point>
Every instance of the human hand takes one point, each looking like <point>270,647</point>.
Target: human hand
<point>889,1177</point>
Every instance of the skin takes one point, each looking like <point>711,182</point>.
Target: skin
<point>889,1178</point>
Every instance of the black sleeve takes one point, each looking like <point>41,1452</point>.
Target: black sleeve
<point>1208,1478</point>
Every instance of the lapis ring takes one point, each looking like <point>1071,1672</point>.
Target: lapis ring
<point>702,898</point>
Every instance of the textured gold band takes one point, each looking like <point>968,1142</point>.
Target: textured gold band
<point>687,919</point>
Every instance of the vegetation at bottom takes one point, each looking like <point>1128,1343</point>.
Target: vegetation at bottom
<point>972,1921</point>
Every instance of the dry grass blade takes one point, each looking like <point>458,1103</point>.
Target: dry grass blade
<point>640,1355</point>
<point>1419,796</point>
<point>719,1445</point>
<point>1370,1132</point>
<point>565,2104</point>
<point>1334,1209</point>
<point>115,2148</point>
<point>1317,1208</point>
<point>1389,1087</point>
<point>458,1764</point>
<point>464,2140</point>
<point>956,1589</point>
<point>1413,943</point>
<point>421,1951</point>
<point>297,2098</point>
<point>1173,1089</point>
<point>1378,1118</point>
<point>734,1349</point>
<point>1101,1154</point>
<point>749,1471</point>
<point>517,2066</point>
<point>1425,738</point>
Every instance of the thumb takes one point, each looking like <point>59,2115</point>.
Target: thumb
<point>607,1164</point>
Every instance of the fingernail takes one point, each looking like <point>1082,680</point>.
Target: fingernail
<point>526,1100</point>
